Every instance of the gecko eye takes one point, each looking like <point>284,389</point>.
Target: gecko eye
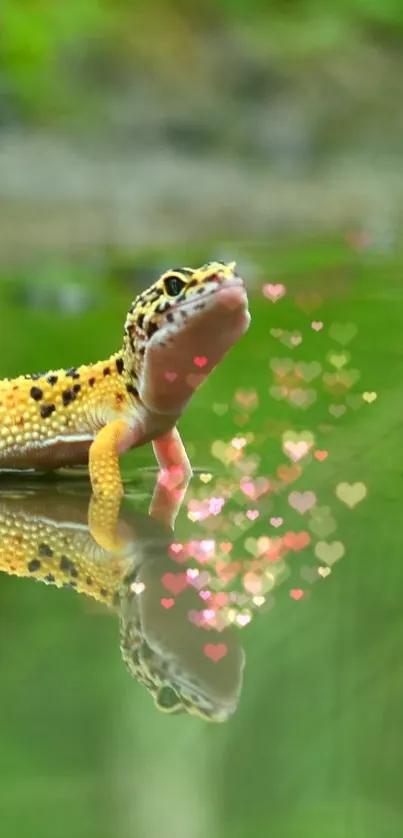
<point>168,700</point>
<point>174,285</point>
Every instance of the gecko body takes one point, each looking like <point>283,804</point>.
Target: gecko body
<point>175,333</point>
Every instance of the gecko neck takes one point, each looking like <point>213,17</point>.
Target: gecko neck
<point>132,360</point>
<point>124,361</point>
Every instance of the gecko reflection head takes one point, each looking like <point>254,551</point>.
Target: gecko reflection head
<point>175,670</point>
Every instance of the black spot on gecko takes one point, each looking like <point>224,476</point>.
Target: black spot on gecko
<point>140,321</point>
<point>151,329</point>
<point>52,379</point>
<point>72,372</point>
<point>45,550</point>
<point>103,592</point>
<point>33,565</point>
<point>88,580</point>
<point>170,317</point>
<point>49,578</point>
<point>36,393</point>
<point>120,365</point>
<point>77,388</point>
<point>91,382</point>
<point>131,389</point>
<point>68,396</point>
<point>107,370</point>
<point>65,564</point>
<point>47,410</point>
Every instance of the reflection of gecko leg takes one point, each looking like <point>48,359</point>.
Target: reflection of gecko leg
<point>104,525</point>
<point>173,478</point>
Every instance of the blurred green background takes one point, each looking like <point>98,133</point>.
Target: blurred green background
<point>134,137</point>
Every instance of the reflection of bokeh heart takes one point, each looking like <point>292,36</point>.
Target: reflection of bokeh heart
<point>215,651</point>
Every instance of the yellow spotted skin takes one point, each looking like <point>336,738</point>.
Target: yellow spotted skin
<point>75,403</point>
<point>104,459</point>
<point>52,553</point>
<point>93,413</point>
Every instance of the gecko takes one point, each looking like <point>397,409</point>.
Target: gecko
<point>45,536</point>
<point>175,334</point>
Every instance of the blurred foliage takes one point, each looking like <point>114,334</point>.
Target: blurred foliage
<point>36,37</point>
<point>46,48</point>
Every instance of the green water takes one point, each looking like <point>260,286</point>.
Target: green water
<point>314,748</point>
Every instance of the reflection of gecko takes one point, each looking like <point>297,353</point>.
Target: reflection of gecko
<point>176,332</point>
<point>44,535</point>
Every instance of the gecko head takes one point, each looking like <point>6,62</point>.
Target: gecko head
<point>188,313</point>
<point>177,673</point>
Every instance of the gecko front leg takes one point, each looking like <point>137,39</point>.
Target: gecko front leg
<point>106,481</point>
<point>109,443</point>
<point>170,452</point>
<point>173,479</point>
